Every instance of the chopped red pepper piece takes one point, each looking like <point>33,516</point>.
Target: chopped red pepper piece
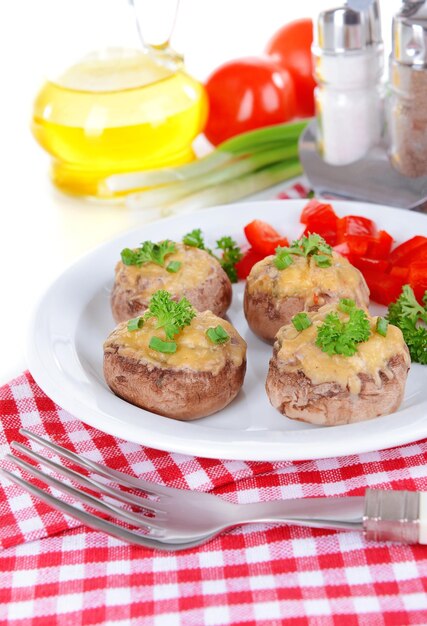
<point>402,272</point>
<point>364,263</point>
<point>418,280</point>
<point>407,251</point>
<point>320,218</point>
<point>246,263</point>
<point>355,226</point>
<point>343,249</point>
<point>263,238</point>
<point>379,247</point>
<point>384,288</point>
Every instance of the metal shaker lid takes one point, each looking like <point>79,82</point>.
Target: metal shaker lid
<point>410,34</point>
<point>343,29</point>
<point>372,8</point>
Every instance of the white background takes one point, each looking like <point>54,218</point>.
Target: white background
<point>42,230</point>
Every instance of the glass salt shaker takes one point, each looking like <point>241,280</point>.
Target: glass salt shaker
<point>348,67</point>
<point>407,115</point>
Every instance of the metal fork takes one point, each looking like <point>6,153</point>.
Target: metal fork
<point>175,519</point>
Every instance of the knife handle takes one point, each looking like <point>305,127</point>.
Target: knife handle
<point>399,516</point>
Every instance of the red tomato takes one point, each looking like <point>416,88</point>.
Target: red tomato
<point>246,263</point>
<point>406,249</point>
<point>263,238</point>
<point>418,280</point>
<point>291,48</point>
<point>246,94</point>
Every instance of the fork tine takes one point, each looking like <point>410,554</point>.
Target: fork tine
<point>90,483</point>
<point>109,509</point>
<point>99,524</point>
<point>123,479</point>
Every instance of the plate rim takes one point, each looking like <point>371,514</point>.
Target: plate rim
<point>172,443</point>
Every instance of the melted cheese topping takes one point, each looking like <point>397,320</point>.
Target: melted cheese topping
<point>194,350</point>
<point>306,280</point>
<point>196,266</point>
<point>298,352</point>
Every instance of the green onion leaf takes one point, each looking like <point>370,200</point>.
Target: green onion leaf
<point>322,260</point>
<point>135,323</point>
<point>167,347</point>
<point>173,267</point>
<point>218,334</point>
<point>301,321</point>
<point>282,258</point>
<point>381,326</point>
<point>346,305</point>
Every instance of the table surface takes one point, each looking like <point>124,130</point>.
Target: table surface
<point>42,230</point>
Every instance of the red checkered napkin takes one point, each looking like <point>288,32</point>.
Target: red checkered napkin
<point>53,571</point>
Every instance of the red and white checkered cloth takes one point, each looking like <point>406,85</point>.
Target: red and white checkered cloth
<point>54,571</point>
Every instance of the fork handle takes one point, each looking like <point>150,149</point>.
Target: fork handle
<point>399,516</point>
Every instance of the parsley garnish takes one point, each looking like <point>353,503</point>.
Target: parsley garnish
<point>218,334</point>
<point>301,321</point>
<point>171,315</point>
<point>148,252</point>
<point>231,254</point>
<point>195,239</point>
<point>337,337</point>
<point>411,317</point>
<point>311,246</point>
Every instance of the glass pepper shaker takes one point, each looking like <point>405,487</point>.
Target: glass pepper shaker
<point>348,67</point>
<point>407,118</point>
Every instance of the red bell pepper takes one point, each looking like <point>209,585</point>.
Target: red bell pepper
<point>263,238</point>
<point>320,218</point>
<point>409,251</point>
<point>355,226</point>
<point>246,263</point>
<point>418,280</point>
<point>379,247</point>
<point>402,272</point>
<point>384,288</point>
<point>365,264</point>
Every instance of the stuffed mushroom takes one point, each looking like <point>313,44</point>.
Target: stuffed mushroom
<point>184,271</point>
<point>337,366</point>
<point>303,277</point>
<point>175,361</point>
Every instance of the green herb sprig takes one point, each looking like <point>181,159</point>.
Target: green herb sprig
<point>231,253</point>
<point>172,316</point>
<point>337,337</point>
<point>411,317</point>
<point>148,252</point>
<point>308,246</point>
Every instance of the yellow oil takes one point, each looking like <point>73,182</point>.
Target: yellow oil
<point>117,112</point>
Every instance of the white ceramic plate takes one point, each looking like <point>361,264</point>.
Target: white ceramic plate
<point>73,319</point>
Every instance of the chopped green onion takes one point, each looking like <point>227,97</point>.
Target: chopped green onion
<point>322,260</point>
<point>346,305</point>
<point>301,321</point>
<point>173,267</point>
<point>282,259</point>
<point>381,326</point>
<point>168,347</point>
<point>218,334</point>
<point>135,323</point>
